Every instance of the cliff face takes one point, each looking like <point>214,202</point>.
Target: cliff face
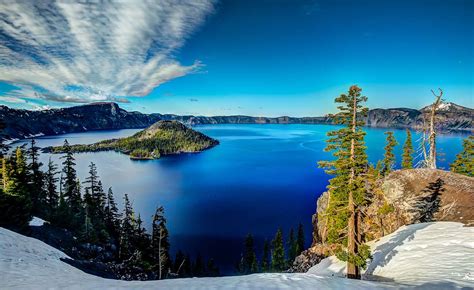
<point>417,195</point>
<point>107,116</point>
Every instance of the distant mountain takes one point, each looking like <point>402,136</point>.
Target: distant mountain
<point>161,138</point>
<point>106,116</point>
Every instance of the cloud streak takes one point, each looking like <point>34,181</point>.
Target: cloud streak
<point>76,52</point>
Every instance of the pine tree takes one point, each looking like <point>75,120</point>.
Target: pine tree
<point>464,163</point>
<point>52,197</point>
<point>300,240</point>
<point>160,242</point>
<point>198,266</point>
<point>347,187</point>
<point>407,157</point>
<point>127,230</point>
<point>112,216</point>
<point>278,253</point>
<point>248,263</point>
<point>389,157</point>
<point>69,180</point>
<point>212,270</point>
<point>292,247</point>
<point>265,264</point>
<point>38,195</point>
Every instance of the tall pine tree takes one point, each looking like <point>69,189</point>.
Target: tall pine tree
<point>407,156</point>
<point>347,188</point>
<point>300,240</point>
<point>278,253</point>
<point>69,177</point>
<point>160,243</point>
<point>127,230</point>
<point>389,157</point>
<point>38,195</point>
<point>50,180</point>
<point>265,263</point>
<point>248,263</point>
<point>292,247</point>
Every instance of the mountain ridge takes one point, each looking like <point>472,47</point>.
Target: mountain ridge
<point>22,123</point>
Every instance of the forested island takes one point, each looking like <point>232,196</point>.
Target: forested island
<point>161,138</point>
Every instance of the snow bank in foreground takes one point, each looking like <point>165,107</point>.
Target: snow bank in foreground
<point>27,263</point>
<point>440,253</point>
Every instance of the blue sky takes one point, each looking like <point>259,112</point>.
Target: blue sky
<point>266,57</point>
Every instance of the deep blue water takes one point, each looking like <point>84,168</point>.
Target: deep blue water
<point>259,178</point>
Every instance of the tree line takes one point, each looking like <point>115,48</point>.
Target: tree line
<point>277,256</point>
<point>88,211</point>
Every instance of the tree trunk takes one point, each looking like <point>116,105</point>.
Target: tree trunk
<point>432,137</point>
<point>352,247</point>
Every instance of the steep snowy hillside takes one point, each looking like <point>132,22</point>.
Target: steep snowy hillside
<point>435,255</point>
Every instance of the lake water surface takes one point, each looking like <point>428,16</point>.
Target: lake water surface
<point>259,178</point>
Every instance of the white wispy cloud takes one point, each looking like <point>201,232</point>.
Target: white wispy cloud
<point>81,52</point>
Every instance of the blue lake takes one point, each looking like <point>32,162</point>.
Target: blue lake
<point>259,178</point>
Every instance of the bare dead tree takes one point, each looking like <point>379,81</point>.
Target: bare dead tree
<point>431,158</point>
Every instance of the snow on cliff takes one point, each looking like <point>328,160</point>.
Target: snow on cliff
<point>430,256</point>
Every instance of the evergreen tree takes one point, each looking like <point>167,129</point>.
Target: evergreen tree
<point>112,216</point>
<point>464,163</point>
<point>50,180</point>
<point>407,157</point>
<point>389,157</point>
<point>69,180</point>
<point>212,270</point>
<point>127,230</point>
<point>198,266</point>
<point>265,264</point>
<point>292,247</point>
<point>15,201</point>
<point>347,188</point>
<point>300,240</point>
<point>178,265</point>
<point>248,263</point>
<point>38,195</point>
<point>278,253</point>
<point>160,243</point>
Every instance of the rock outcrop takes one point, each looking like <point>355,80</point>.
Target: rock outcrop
<point>417,195</point>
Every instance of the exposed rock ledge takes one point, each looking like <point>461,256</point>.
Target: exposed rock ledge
<point>417,195</point>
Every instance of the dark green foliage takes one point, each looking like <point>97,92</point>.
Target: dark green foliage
<point>389,158</point>
<point>162,138</point>
<point>112,216</point>
<point>347,192</point>
<point>69,180</point>
<point>160,243</point>
<point>50,183</point>
<point>38,195</point>
<point>292,247</point>
<point>464,163</point>
<point>248,262</point>
<point>15,200</point>
<point>300,240</point>
<point>278,263</point>
<point>265,263</point>
<point>407,156</point>
<point>198,268</point>
<point>212,270</point>
<point>127,230</point>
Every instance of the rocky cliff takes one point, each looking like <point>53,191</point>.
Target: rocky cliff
<point>417,195</point>
<point>107,116</point>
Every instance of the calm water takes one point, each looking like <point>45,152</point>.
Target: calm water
<point>259,178</point>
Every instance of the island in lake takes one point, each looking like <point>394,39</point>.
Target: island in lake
<point>161,138</point>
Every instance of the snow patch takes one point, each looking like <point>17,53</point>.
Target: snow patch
<point>37,222</point>
<point>436,253</point>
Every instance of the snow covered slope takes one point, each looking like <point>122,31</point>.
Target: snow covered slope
<point>432,255</point>
<point>437,254</point>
